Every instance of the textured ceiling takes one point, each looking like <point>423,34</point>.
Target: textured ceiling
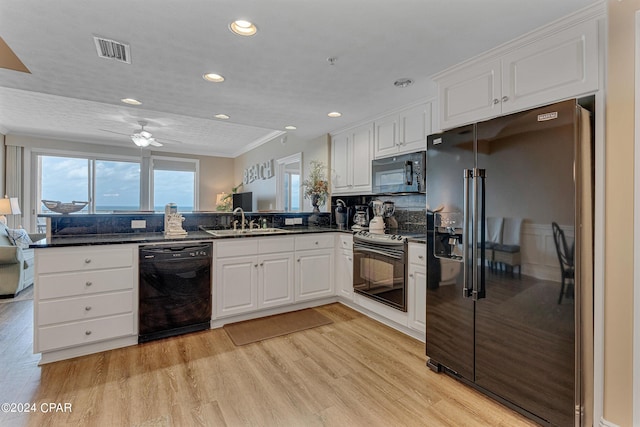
<point>278,77</point>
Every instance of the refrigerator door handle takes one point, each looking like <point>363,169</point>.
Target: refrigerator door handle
<point>467,286</point>
<point>478,234</point>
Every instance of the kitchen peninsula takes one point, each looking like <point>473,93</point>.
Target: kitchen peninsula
<point>86,287</point>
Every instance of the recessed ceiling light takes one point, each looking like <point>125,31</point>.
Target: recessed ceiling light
<point>334,114</point>
<point>221,116</point>
<point>131,101</point>
<point>213,77</point>
<point>403,82</point>
<point>290,127</point>
<point>243,28</point>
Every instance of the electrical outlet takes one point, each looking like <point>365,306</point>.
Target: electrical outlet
<point>138,223</point>
<point>288,221</point>
<point>297,220</point>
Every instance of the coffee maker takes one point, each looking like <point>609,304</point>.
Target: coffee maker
<point>361,217</point>
<point>342,214</point>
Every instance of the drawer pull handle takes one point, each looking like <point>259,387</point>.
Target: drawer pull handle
<point>89,283</point>
<point>87,332</point>
<point>87,260</point>
<point>88,308</point>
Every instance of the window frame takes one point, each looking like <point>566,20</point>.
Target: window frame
<point>170,159</point>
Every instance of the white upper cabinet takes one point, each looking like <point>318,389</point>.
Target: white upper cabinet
<point>550,68</point>
<point>351,153</point>
<point>403,132</point>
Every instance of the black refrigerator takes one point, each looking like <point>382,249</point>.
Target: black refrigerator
<point>498,315</point>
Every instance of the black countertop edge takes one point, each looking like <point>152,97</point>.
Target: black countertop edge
<point>154,238</point>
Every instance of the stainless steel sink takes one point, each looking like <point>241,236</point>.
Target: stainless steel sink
<point>247,232</point>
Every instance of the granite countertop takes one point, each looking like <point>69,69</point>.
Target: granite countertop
<point>152,238</point>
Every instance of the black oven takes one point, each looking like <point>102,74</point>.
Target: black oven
<point>379,268</point>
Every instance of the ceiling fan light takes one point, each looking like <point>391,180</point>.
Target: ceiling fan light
<point>140,140</point>
<point>145,134</point>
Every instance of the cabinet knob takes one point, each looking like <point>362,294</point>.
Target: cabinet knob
<point>316,242</point>
<point>87,308</point>
<point>411,275</point>
<point>87,260</point>
<point>89,283</point>
<point>87,332</point>
<point>505,98</point>
<point>420,256</point>
<point>496,101</point>
<point>255,265</point>
<point>298,259</point>
<point>261,264</point>
<point>349,258</point>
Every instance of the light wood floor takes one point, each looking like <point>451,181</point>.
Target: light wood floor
<point>354,372</point>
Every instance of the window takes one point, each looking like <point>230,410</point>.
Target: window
<point>107,185</point>
<point>288,184</point>
<point>174,181</point>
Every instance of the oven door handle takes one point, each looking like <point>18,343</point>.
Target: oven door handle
<point>360,249</point>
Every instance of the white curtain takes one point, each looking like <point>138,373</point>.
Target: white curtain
<point>14,183</point>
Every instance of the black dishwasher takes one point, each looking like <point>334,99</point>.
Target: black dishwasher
<point>174,290</point>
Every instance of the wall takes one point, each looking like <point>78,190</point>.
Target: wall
<point>618,305</point>
<point>264,191</point>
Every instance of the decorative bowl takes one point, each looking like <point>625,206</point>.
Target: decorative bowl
<point>64,208</point>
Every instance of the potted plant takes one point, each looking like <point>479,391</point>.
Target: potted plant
<point>316,185</point>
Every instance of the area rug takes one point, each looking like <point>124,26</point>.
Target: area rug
<point>250,331</point>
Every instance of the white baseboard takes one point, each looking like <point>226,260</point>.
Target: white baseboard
<point>605,423</point>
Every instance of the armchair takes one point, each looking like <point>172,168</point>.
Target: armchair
<point>16,264</point>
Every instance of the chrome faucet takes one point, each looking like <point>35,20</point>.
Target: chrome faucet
<point>239,209</point>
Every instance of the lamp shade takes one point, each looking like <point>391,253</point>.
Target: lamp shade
<point>9,206</point>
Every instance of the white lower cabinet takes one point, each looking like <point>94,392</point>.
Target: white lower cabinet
<point>344,266</point>
<point>84,296</point>
<point>417,287</point>
<point>314,266</point>
<point>275,279</point>
<point>263,278</point>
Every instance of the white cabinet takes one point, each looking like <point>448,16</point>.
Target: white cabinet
<point>236,285</point>
<point>314,266</point>
<point>351,154</point>
<point>276,279</point>
<point>261,278</point>
<point>403,132</point>
<point>83,296</point>
<point>551,68</point>
<point>344,266</point>
<point>417,287</point>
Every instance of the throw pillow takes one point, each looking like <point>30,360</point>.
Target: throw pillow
<point>19,237</point>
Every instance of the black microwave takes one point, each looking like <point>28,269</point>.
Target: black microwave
<point>403,173</point>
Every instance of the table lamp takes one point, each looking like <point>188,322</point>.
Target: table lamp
<point>8,206</point>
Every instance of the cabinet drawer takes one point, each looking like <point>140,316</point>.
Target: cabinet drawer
<point>345,241</point>
<point>86,332</point>
<point>314,241</point>
<point>84,283</point>
<point>417,253</point>
<point>276,244</point>
<point>240,247</point>
<point>83,308</point>
<point>82,259</point>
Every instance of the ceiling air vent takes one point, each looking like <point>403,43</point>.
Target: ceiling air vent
<point>112,49</point>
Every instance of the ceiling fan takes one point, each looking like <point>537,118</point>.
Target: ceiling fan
<point>142,138</point>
